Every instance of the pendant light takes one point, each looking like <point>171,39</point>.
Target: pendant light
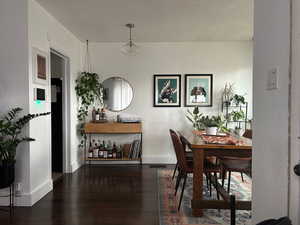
<point>130,48</point>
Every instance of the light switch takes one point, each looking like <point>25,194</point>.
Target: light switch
<point>272,80</point>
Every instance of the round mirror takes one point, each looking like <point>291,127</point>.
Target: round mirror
<point>117,94</point>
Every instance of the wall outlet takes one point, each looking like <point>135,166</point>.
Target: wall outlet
<point>18,187</point>
<point>272,79</point>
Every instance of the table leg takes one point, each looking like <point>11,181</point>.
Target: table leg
<point>198,159</point>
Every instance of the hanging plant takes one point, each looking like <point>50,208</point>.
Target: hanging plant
<point>89,91</point>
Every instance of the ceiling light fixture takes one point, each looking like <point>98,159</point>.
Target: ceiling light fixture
<point>130,48</point>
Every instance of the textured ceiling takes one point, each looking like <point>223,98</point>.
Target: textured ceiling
<point>155,20</point>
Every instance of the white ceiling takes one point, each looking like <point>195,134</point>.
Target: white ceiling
<point>155,20</point>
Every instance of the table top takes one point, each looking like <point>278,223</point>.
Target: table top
<point>195,141</point>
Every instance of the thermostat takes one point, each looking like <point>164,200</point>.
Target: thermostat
<point>39,94</point>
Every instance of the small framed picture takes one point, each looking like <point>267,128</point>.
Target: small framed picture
<point>40,66</point>
<point>167,90</point>
<point>198,90</point>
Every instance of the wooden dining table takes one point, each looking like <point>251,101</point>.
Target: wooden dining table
<point>201,149</point>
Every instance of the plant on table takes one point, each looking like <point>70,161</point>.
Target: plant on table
<point>195,118</point>
<point>11,127</point>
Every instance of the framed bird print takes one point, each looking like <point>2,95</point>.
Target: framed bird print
<point>198,90</point>
<point>167,90</point>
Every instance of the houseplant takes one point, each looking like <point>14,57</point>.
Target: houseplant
<point>227,94</point>
<point>238,99</point>
<point>89,91</point>
<point>212,124</point>
<point>10,137</point>
<point>195,118</point>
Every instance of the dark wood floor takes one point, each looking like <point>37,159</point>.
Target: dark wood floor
<point>103,195</point>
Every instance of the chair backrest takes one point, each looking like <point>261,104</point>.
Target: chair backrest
<point>248,134</point>
<point>179,151</point>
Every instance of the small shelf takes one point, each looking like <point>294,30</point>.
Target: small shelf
<point>113,128</point>
<point>112,159</point>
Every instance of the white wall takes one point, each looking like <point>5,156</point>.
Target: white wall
<point>270,128</point>
<point>45,33</point>
<point>295,116</point>
<point>14,74</point>
<point>227,61</point>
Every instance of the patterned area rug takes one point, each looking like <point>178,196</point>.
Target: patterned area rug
<point>169,203</point>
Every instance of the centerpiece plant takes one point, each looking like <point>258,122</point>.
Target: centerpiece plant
<point>89,91</point>
<point>11,126</point>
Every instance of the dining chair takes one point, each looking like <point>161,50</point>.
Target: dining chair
<point>185,167</point>
<point>236,164</point>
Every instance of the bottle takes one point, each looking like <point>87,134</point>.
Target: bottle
<point>97,115</point>
<point>90,155</point>
<point>119,152</point>
<point>104,150</point>
<point>96,151</point>
<point>94,114</point>
<point>100,150</point>
<point>114,151</point>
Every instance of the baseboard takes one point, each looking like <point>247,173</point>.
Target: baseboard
<point>29,199</point>
<point>75,166</point>
<point>162,159</point>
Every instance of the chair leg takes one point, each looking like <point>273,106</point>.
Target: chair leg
<point>242,177</point>
<point>216,178</point>
<point>175,169</point>
<point>229,176</point>
<point>182,191</point>
<point>178,179</point>
<point>207,181</point>
<point>223,177</point>
<point>210,185</point>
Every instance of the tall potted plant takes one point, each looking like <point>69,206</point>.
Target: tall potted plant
<point>10,137</point>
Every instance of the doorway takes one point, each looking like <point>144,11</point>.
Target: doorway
<point>59,70</point>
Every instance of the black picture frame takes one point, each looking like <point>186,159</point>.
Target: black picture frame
<point>205,82</point>
<point>161,79</point>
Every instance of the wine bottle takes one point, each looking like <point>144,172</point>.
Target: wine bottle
<point>114,151</point>
<point>90,151</point>
<point>94,114</point>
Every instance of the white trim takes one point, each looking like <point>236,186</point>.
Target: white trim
<point>67,167</point>
<point>161,159</point>
<point>29,199</point>
<point>75,166</point>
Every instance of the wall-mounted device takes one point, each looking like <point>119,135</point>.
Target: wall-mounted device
<point>39,94</point>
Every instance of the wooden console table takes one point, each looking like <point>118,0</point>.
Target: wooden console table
<point>112,128</point>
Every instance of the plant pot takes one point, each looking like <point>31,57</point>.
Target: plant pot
<point>7,174</point>
<point>211,130</point>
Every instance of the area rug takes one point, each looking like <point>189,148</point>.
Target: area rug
<point>169,203</point>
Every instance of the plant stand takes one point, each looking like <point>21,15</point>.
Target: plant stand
<point>10,208</point>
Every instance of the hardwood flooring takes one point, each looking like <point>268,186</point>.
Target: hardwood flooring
<point>102,195</point>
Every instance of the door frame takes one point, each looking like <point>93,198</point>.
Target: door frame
<point>65,110</point>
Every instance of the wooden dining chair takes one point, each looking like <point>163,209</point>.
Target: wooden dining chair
<point>236,164</point>
<point>185,167</point>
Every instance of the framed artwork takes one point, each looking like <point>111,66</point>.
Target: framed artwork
<point>167,90</point>
<point>198,90</point>
<point>40,66</point>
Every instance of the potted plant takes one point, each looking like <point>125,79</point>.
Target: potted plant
<point>238,99</point>
<point>195,118</point>
<point>237,115</point>
<point>10,137</point>
<point>227,94</point>
<point>212,124</point>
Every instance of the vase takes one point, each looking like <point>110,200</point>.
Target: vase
<point>7,174</point>
<point>211,130</point>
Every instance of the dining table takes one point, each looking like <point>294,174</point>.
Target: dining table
<point>203,146</point>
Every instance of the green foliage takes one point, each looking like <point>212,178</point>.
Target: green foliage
<point>237,99</point>
<point>237,115</point>
<point>213,121</point>
<point>89,91</point>
<point>195,118</point>
<point>10,133</point>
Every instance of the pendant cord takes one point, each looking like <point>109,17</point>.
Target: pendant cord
<point>87,65</point>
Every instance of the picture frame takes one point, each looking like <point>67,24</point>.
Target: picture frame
<point>198,90</point>
<point>167,90</point>
<point>40,67</point>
